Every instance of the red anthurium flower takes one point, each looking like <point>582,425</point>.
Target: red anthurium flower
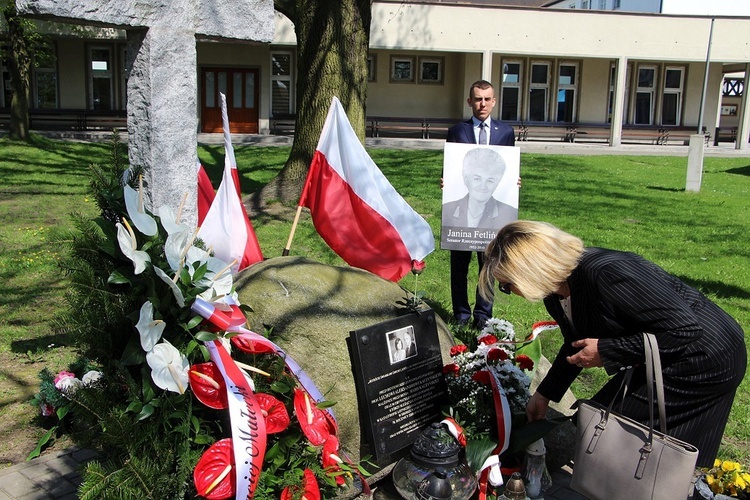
<point>482,376</point>
<point>525,362</point>
<point>309,486</point>
<point>497,355</point>
<point>458,349</point>
<point>316,424</point>
<point>331,460</point>
<point>488,339</point>
<point>274,411</point>
<point>451,368</point>
<point>208,385</point>
<point>417,266</point>
<point>250,347</point>
<point>214,474</point>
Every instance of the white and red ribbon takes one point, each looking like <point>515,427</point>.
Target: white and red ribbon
<point>247,422</point>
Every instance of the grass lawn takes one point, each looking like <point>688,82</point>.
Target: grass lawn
<point>624,202</point>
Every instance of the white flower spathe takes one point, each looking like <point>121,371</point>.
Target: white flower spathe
<point>169,368</point>
<point>178,295</point>
<point>150,330</point>
<point>134,204</point>
<point>128,246</point>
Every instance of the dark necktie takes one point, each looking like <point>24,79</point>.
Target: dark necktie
<point>482,133</point>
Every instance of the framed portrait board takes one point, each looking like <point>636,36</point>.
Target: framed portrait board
<point>480,194</point>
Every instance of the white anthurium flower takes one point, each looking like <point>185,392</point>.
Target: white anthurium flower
<point>218,278</point>
<point>175,289</point>
<point>174,249</point>
<point>171,222</point>
<point>169,368</point>
<point>128,245</point>
<point>149,328</point>
<point>134,203</point>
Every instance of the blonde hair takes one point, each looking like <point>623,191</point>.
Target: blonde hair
<point>535,257</point>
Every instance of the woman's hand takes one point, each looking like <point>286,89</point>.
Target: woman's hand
<point>588,356</point>
<point>536,408</point>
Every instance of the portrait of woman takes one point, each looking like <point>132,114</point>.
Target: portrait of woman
<point>604,300</point>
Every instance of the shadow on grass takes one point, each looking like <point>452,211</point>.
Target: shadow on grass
<point>669,190</point>
<point>740,170</point>
<point>722,290</point>
<point>39,344</point>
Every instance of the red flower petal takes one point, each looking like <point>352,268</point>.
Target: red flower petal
<point>309,485</point>
<point>274,411</point>
<point>496,354</point>
<point>331,465</point>
<point>482,376</point>
<point>250,347</point>
<point>458,349</point>
<point>525,362</point>
<point>488,339</point>
<point>317,425</point>
<point>204,378</point>
<point>209,470</point>
<point>451,368</point>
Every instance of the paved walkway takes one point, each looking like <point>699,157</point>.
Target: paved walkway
<point>53,476</point>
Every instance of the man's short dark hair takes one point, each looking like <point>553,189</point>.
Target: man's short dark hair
<point>480,84</point>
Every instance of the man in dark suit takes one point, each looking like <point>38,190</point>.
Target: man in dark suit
<point>480,129</point>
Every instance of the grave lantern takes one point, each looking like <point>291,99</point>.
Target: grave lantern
<point>434,448</point>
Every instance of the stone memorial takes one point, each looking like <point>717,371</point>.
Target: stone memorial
<point>162,82</point>
<point>398,376</point>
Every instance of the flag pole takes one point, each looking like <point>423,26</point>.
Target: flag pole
<point>291,233</point>
<point>300,204</point>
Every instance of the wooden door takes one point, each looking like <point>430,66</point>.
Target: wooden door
<point>241,86</point>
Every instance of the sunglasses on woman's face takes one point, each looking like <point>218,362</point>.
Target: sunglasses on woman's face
<point>505,288</point>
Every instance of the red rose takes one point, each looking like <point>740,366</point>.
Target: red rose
<point>524,362</point>
<point>482,376</point>
<point>417,266</point>
<point>488,339</point>
<point>451,368</point>
<point>496,354</point>
<point>458,349</point>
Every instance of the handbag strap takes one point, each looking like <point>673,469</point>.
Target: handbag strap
<point>654,378</point>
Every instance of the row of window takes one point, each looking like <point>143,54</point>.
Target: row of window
<point>541,91</point>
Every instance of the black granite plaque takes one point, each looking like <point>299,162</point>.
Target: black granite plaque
<point>398,373</point>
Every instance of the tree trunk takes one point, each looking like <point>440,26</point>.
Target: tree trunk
<point>332,42</point>
<point>19,63</point>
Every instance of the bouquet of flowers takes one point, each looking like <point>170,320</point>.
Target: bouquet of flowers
<point>728,478</point>
<point>468,378</point>
<point>182,380</point>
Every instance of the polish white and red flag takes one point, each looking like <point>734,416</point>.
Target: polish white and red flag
<point>226,228</point>
<point>356,210</point>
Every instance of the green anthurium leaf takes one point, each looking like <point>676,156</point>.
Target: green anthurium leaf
<point>118,278</point>
<point>135,407</point>
<point>326,404</point>
<point>146,412</point>
<point>478,450</point>
<point>195,321</point>
<point>62,411</point>
<point>533,350</point>
<point>202,439</point>
<point>133,353</point>
<point>42,443</point>
<point>205,336</point>
<point>200,273</point>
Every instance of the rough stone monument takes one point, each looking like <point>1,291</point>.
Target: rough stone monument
<point>162,82</point>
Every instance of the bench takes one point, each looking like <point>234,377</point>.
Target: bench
<point>379,125</point>
<point>542,131</point>
<point>725,135</point>
<point>283,124</point>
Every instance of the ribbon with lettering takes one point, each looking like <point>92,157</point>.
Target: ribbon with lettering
<point>249,341</point>
<point>247,423</point>
<point>490,470</point>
